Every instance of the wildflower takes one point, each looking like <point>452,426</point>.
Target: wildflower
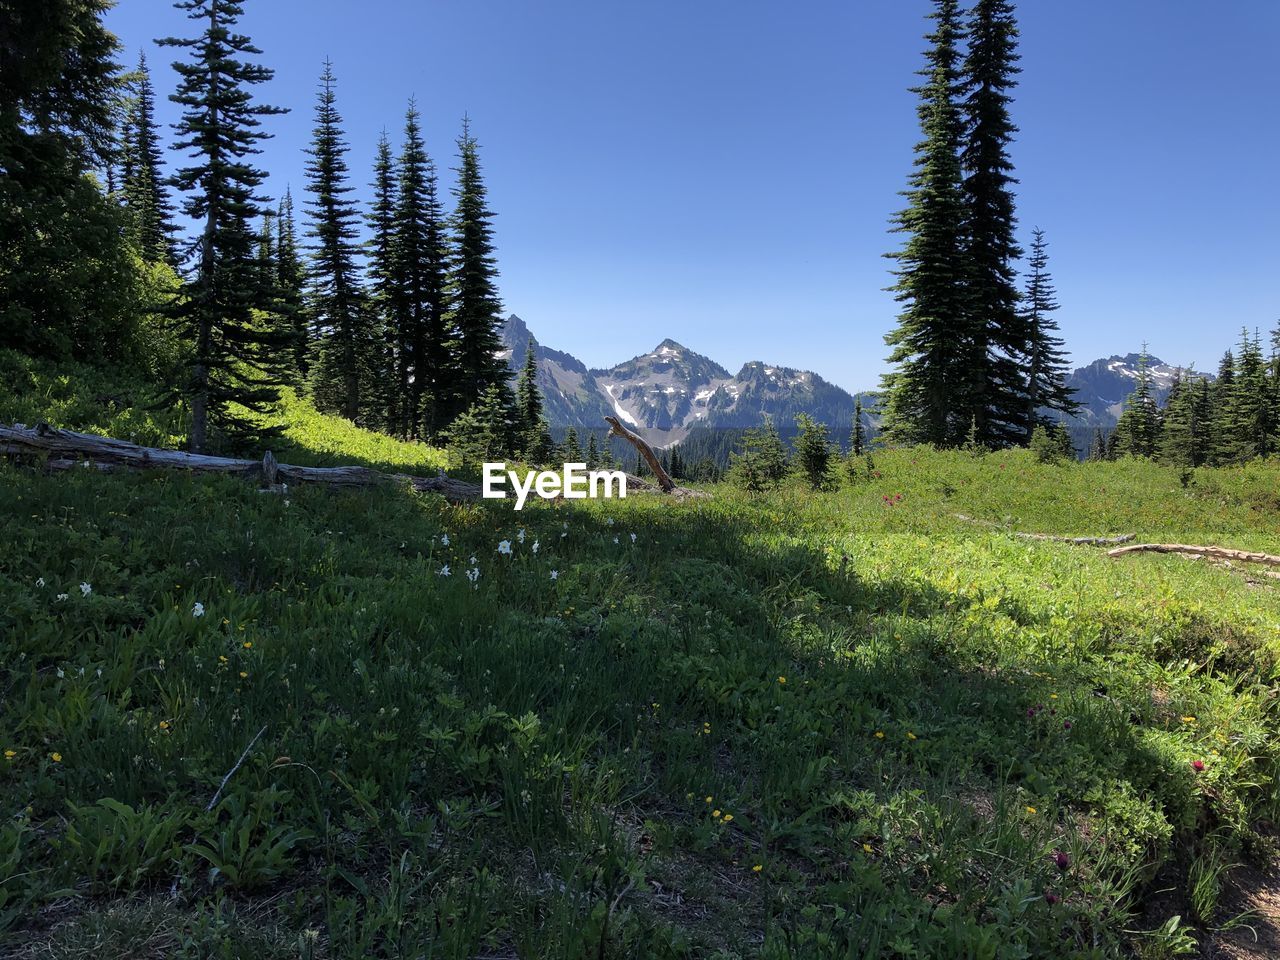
<point>248,644</point>
<point>757,868</point>
<point>197,610</point>
<point>445,571</point>
<point>1053,696</point>
<point>910,735</point>
<point>504,547</point>
<point>782,679</point>
<point>40,583</point>
<point>10,754</point>
<point>535,546</point>
<point>1197,765</point>
<point>85,589</point>
<point>866,848</point>
<point>56,757</point>
<point>563,535</point>
<point>222,659</point>
<point>444,539</point>
<point>555,574</point>
<point>633,538</point>
<point>1188,719</point>
<point>716,814</point>
<point>61,597</point>
<point>473,561</point>
<point>1031,711</point>
<point>879,734</point>
<point>1063,860</point>
<point>1066,724</point>
<point>615,539</point>
<point>243,675</point>
<point>609,521</point>
<point>1031,810</point>
<point>164,724</point>
<point>1049,896</point>
<point>708,799</point>
<point>727,817</point>
<point>520,534</point>
<point>473,574</point>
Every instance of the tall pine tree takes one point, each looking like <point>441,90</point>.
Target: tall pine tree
<point>1138,429</point>
<point>929,396</point>
<point>1000,343</point>
<point>1249,411</point>
<point>291,281</point>
<point>145,196</point>
<point>385,389</point>
<point>477,311</point>
<point>340,313</point>
<point>1046,359</point>
<point>233,359</point>
<point>426,365</point>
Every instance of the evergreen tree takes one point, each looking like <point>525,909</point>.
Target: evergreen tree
<point>340,314</point>
<point>1249,412</point>
<point>151,224</point>
<point>858,436</point>
<point>427,367</point>
<point>233,358</point>
<point>477,313</point>
<point>762,463</point>
<point>930,396</point>
<point>482,432</point>
<point>290,282</point>
<point>386,389</point>
<point>1222,445</point>
<point>593,452</point>
<point>1046,360</point>
<point>1044,445</point>
<point>1183,430</point>
<point>1098,446</point>
<point>1139,427</point>
<point>1062,437</point>
<point>528,396</point>
<point>813,452</point>
<point>67,283</point>
<point>571,449</point>
<point>1001,340</point>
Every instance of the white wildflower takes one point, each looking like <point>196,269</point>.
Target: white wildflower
<point>504,547</point>
<point>609,521</point>
<point>85,589</point>
<point>60,673</point>
<point>633,538</point>
<point>563,535</point>
<point>444,539</point>
<point>555,574</point>
<point>615,539</point>
<point>535,546</point>
<point>473,574</point>
<point>520,534</point>
<point>445,571</point>
<point>473,561</point>
<point>40,583</point>
<point>197,610</point>
<point>61,597</point>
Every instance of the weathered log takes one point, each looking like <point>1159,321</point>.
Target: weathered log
<point>617,429</point>
<point>78,449</point>
<point>1193,550</point>
<point>1077,541</point>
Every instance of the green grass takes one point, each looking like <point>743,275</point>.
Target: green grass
<point>804,725</point>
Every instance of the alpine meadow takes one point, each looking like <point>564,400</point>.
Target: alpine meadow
<point>343,617</point>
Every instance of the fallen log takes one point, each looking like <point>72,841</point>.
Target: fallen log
<point>617,429</point>
<point>1077,541</point>
<point>1193,550</point>
<point>72,449</point>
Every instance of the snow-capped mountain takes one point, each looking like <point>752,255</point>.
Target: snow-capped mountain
<point>671,390</point>
<point>1102,386</point>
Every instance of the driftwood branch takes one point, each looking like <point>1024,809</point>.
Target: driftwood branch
<point>67,449</point>
<point>617,429</point>
<point>1077,541</point>
<point>1218,553</point>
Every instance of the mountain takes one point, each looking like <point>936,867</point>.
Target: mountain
<point>666,393</point>
<point>1102,386</point>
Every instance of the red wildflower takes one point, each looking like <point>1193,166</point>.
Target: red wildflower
<point>1197,765</point>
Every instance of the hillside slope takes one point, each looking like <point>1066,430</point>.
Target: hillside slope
<point>800,725</point>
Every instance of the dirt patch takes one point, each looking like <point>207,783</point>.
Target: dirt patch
<point>1249,889</point>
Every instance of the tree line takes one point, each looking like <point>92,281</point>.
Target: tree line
<point>399,332</point>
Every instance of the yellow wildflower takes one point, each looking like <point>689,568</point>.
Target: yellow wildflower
<point>1031,809</point>
<point>728,817</point>
<point>708,799</point>
<point>243,675</point>
<point>910,735</point>
<point>757,868</point>
<point>879,734</point>
<point>164,724</point>
<point>55,757</point>
<point>248,644</point>
<point>866,847</point>
<point>782,679</point>
<point>716,814</point>
<point>10,754</point>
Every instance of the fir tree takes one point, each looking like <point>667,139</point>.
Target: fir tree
<point>290,282</point>
<point>482,432</point>
<point>858,436</point>
<point>1183,431</point>
<point>593,452</point>
<point>1098,446</point>
<point>233,359</point>
<point>1139,426</point>
<point>426,367</point>
<point>813,452</point>
<point>1062,437</point>
<point>1046,360</point>
<point>929,397</point>
<point>762,463</point>
<point>386,388</point>
<point>1001,339</point>
<point>571,449</point>
<point>528,396</point>
<point>1248,414</point>
<point>477,313</point>
<point>145,196</point>
<point>340,314</point>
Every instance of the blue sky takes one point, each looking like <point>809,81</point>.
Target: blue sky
<point>724,173</point>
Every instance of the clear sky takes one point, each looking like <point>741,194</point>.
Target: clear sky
<point>723,172</point>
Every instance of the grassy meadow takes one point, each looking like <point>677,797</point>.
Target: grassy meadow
<point>799,725</point>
